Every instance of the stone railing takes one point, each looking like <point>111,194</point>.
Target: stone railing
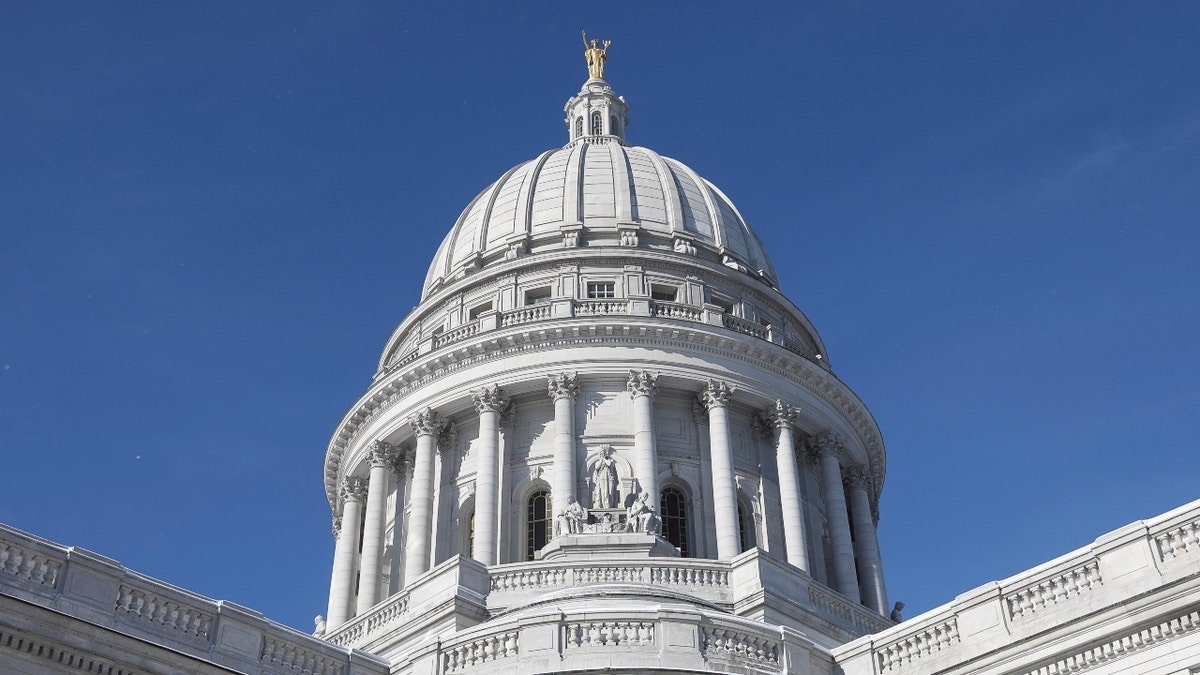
<point>745,327</point>
<point>512,585</point>
<point>99,591</point>
<point>451,336</point>
<point>516,317</point>
<point>601,307</point>
<point>379,618</point>
<point>675,310</point>
<point>740,646</point>
<point>1137,576</point>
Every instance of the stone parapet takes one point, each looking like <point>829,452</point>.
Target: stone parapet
<point>116,603</point>
<point>1127,593</point>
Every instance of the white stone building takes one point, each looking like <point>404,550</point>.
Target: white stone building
<point>605,442</point>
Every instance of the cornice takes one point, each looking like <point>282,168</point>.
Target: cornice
<point>522,340</point>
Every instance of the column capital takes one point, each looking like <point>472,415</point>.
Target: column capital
<point>381,454</point>
<point>857,478</point>
<point>563,385</point>
<point>717,394</point>
<point>644,383</point>
<point>489,399</point>
<point>780,415</point>
<point>826,443</point>
<point>353,489</point>
<point>427,422</point>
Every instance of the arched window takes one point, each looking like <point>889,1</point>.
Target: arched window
<point>612,125</point>
<point>746,526</point>
<point>538,521</point>
<point>468,541</point>
<point>597,123</point>
<point>578,126</point>
<point>673,511</point>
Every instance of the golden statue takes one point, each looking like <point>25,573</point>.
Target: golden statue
<point>595,57</point>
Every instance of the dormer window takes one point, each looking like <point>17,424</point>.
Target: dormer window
<point>597,123</point>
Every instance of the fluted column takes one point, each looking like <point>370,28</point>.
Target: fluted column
<point>426,425</point>
<point>563,388</point>
<point>716,397</point>
<point>642,387</point>
<point>866,543</point>
<point>341,587</point>
<point>489,402</point>
<point>826,446</point>
<point>371,571</point>
<point>401,466</point>
<point>782,416</point>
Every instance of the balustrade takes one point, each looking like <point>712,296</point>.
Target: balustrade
<point>147,606</point>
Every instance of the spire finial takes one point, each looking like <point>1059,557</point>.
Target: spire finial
<point>595,57</point>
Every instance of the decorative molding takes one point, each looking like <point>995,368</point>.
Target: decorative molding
<point>354,489</point>
<point>60,655</point>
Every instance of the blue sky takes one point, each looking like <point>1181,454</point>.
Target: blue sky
<point>213,215</point>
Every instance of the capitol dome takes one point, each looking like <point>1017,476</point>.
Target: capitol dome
<point>604,424</point>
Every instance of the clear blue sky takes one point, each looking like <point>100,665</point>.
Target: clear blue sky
<point>212,215</point>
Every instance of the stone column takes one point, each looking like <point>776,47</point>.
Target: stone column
<point>341,587</point>
<point>563,388</point>
<point>642,387</point>
<point>489,402</point>
<point>402,466</point>
<point>371,572</point>
<point>716,398</point>
<point>826,444</point>
<point>782,416</point>
<point>866,543</point>
<point>426,425</point>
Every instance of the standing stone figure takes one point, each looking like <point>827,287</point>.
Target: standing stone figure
<point>595,57</point>
<point>604,481</point>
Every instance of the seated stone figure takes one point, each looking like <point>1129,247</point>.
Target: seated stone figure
<point>571,520</point>
<point>641,516</point>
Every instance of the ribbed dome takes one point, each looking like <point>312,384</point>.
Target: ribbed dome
<point>598,187</point>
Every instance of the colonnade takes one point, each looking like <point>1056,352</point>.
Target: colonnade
<point>855,556</point>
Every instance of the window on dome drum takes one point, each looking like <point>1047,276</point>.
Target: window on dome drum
<point>480,309</point>
<point>537,296</point>
<point>725,305</point>
<point>537,528</point>
<point>746,526</point>
<point>578,127</point>
<point>601,290</point>
<point>664,293</point>
<point>673,511</point>
<point>612,124</point>
<point>597,123</point>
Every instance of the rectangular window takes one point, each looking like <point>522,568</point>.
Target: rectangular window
<point>725,305</point>
<point>480,309</point>
<point>664,293</point>
<point>537,296</point>
<point>601,290</point>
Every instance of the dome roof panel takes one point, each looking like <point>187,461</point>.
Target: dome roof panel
<point>599,185</point>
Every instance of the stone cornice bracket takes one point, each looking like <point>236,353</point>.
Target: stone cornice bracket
<point>644,383</point>
<point>563,385</point>
<point>780,415</point>
<point>381,454</point>
<point>489,399</point>
<point>717,394</point>
<point>353,489</point>
<point>427,423</point>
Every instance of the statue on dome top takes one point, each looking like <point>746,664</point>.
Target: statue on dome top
<point>595,57</point>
